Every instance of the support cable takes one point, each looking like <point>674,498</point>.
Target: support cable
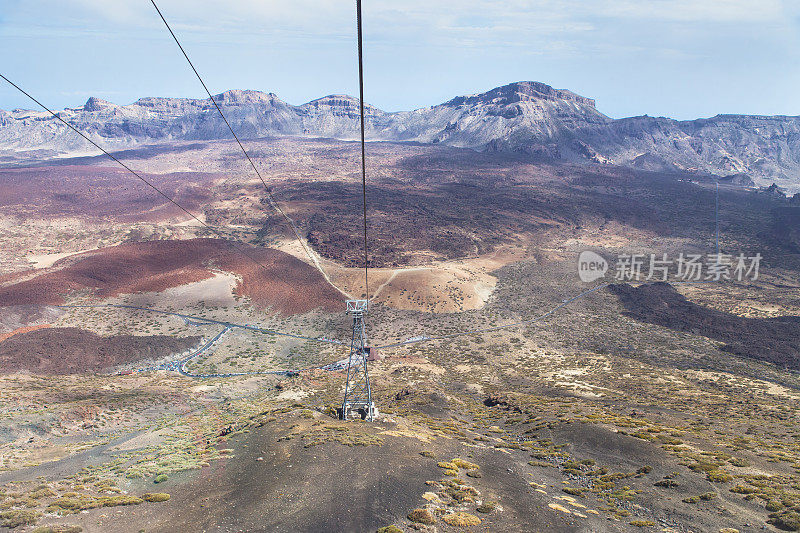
<point>234,244</point>
<point>363,148</point>
<point>270,197</point>
<point>716,214</point>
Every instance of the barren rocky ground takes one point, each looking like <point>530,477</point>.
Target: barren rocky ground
<point>639,407</point>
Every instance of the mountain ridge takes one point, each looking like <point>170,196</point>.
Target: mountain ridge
<point>528,117</point>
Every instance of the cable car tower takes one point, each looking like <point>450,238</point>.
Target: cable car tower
<point>357,393</point>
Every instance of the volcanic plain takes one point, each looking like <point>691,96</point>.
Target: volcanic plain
<point>142,389</point>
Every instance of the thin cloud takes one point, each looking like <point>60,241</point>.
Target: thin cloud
<point>445,47</point>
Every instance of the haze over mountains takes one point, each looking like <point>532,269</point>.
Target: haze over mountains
<point>527,117</point>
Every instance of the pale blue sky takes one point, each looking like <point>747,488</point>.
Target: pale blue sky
<point>678,58</point>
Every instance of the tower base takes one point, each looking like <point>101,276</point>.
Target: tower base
<point>358,410</point>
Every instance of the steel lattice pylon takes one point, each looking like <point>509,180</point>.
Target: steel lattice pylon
<point>357,393</point>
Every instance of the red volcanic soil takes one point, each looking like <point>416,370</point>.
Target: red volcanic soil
<point>75,351</point>
<point>281,281</point>
<point>25,329</point>
<point>99,192</point>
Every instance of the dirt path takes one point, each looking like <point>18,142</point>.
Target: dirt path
<point>55,470</point>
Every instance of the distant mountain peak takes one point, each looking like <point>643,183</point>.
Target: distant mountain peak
<point>521,91</point>
<point>238,97</point>
<point>97,104</point>
<point>343,102</point>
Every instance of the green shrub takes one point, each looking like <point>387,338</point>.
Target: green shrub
<point>642,523</point>
<point>65,504</point>
<point>112,501</point>
<point>422,516</point>
<point>461,520</point>
<point>16,518</point>
<point>466,465</point>
<point>719,476</point>
<point>463,495</point>
<point>666,483</point>
<point>774,505</point>
<point>161,478</point>
<point>390,529</point>
<point>704,466</point>
<point>155,496</point>
<point>41,492</point>
<point>786,520</point>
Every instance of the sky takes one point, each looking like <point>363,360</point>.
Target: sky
<point>678,58</point>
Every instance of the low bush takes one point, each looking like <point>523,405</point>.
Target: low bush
<point>666,483</point>
<point>461,520</point>
<point>774,505</point>
<point>112,501</point>
<point>718,476</point>
<point>422,516</point>
<point>155,496</point>
<point>17,518</point>
<point>65,504</point>
<point>466,465</point>
<point>786,520</point>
